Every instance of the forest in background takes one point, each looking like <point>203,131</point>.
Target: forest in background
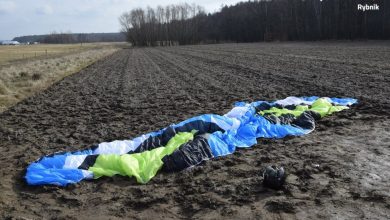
<point>261,20</point>
<point>69,38</point>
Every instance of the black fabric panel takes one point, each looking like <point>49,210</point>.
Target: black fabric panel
<point>88,162</point>
<point>162,139</point>
<point>156,141</point>
<point>307,120</point>
<point>94,147</point>
<point>314,114</point>
<point>187,155</point>
<point>290,107</point>
<point>201,126</point>
<point>283,119</point>
<point>279,106</point>
<point>263,106</point>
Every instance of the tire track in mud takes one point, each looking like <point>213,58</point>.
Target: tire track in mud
<point>152,93</point>
<point>232,78</point>
<point>166,81</point>
<point>207,74</point>
<point>364,56</point>
<point>235,62</point>
<point>290,60</point>
<point>304,60</point>
<point>324,83</point>
<point>199,78</point>
<point>268,74</point>
<point>312,65</point>
<point>202,91</point>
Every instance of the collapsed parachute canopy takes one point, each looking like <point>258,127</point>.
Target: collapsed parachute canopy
<point>188,143</point>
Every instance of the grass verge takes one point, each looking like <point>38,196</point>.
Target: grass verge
<point>9,53</point>
<point>23,79</point>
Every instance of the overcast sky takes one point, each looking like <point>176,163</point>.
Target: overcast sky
<point>28,17</point>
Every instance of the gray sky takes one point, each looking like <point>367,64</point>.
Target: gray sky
<point>28,17</point>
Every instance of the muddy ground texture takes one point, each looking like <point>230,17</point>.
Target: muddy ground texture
<point>342,169</point>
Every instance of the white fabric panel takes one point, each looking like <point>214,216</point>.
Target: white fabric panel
<point>87,174</point>
<point>237,112</point>
<point>236,124</point>
<point>292,100</point>
<point>120,147</point>
<point>74,161</point>
<point>221,123</point>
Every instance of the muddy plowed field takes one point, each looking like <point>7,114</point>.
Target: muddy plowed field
<point>341,170</point>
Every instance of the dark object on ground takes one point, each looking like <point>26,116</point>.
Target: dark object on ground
<point>274,177</point>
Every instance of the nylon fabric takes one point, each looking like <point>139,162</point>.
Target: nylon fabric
<point>321,106</point>
<point>176,147</point>
<point>143,166</point>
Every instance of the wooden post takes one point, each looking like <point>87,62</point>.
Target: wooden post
<point>46,52</point>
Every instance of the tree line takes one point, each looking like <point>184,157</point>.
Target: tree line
<point>67,37</point>
<point>259,20</point>
<point>170,25</point>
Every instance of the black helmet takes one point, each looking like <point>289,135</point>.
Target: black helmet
<point>274,177</point>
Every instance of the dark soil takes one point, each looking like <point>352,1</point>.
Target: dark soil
<point>341,170</point>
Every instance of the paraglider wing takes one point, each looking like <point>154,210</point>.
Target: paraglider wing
<point>187,143</point>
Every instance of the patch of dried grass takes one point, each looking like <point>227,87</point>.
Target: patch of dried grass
<point>3,88</point>
<point>20,81</point>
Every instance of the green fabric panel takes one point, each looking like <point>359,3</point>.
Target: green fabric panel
<point>143,166</point>
<point>107,165</point>
<point>321,106</point>
<point>282,111</point>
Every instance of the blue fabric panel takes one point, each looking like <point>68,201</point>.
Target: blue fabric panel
<point>49,170</point>
<point>239,104</point>
<point>246,135</point>
<point>207,118</point>
<point>56,161</point>
<point>266,129</point>
<point>310,98</point>
<point>257,127</point>
<point>343,101</point>
<point>38,174</point>
<point>257,103</point>
<point>220,145</point>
